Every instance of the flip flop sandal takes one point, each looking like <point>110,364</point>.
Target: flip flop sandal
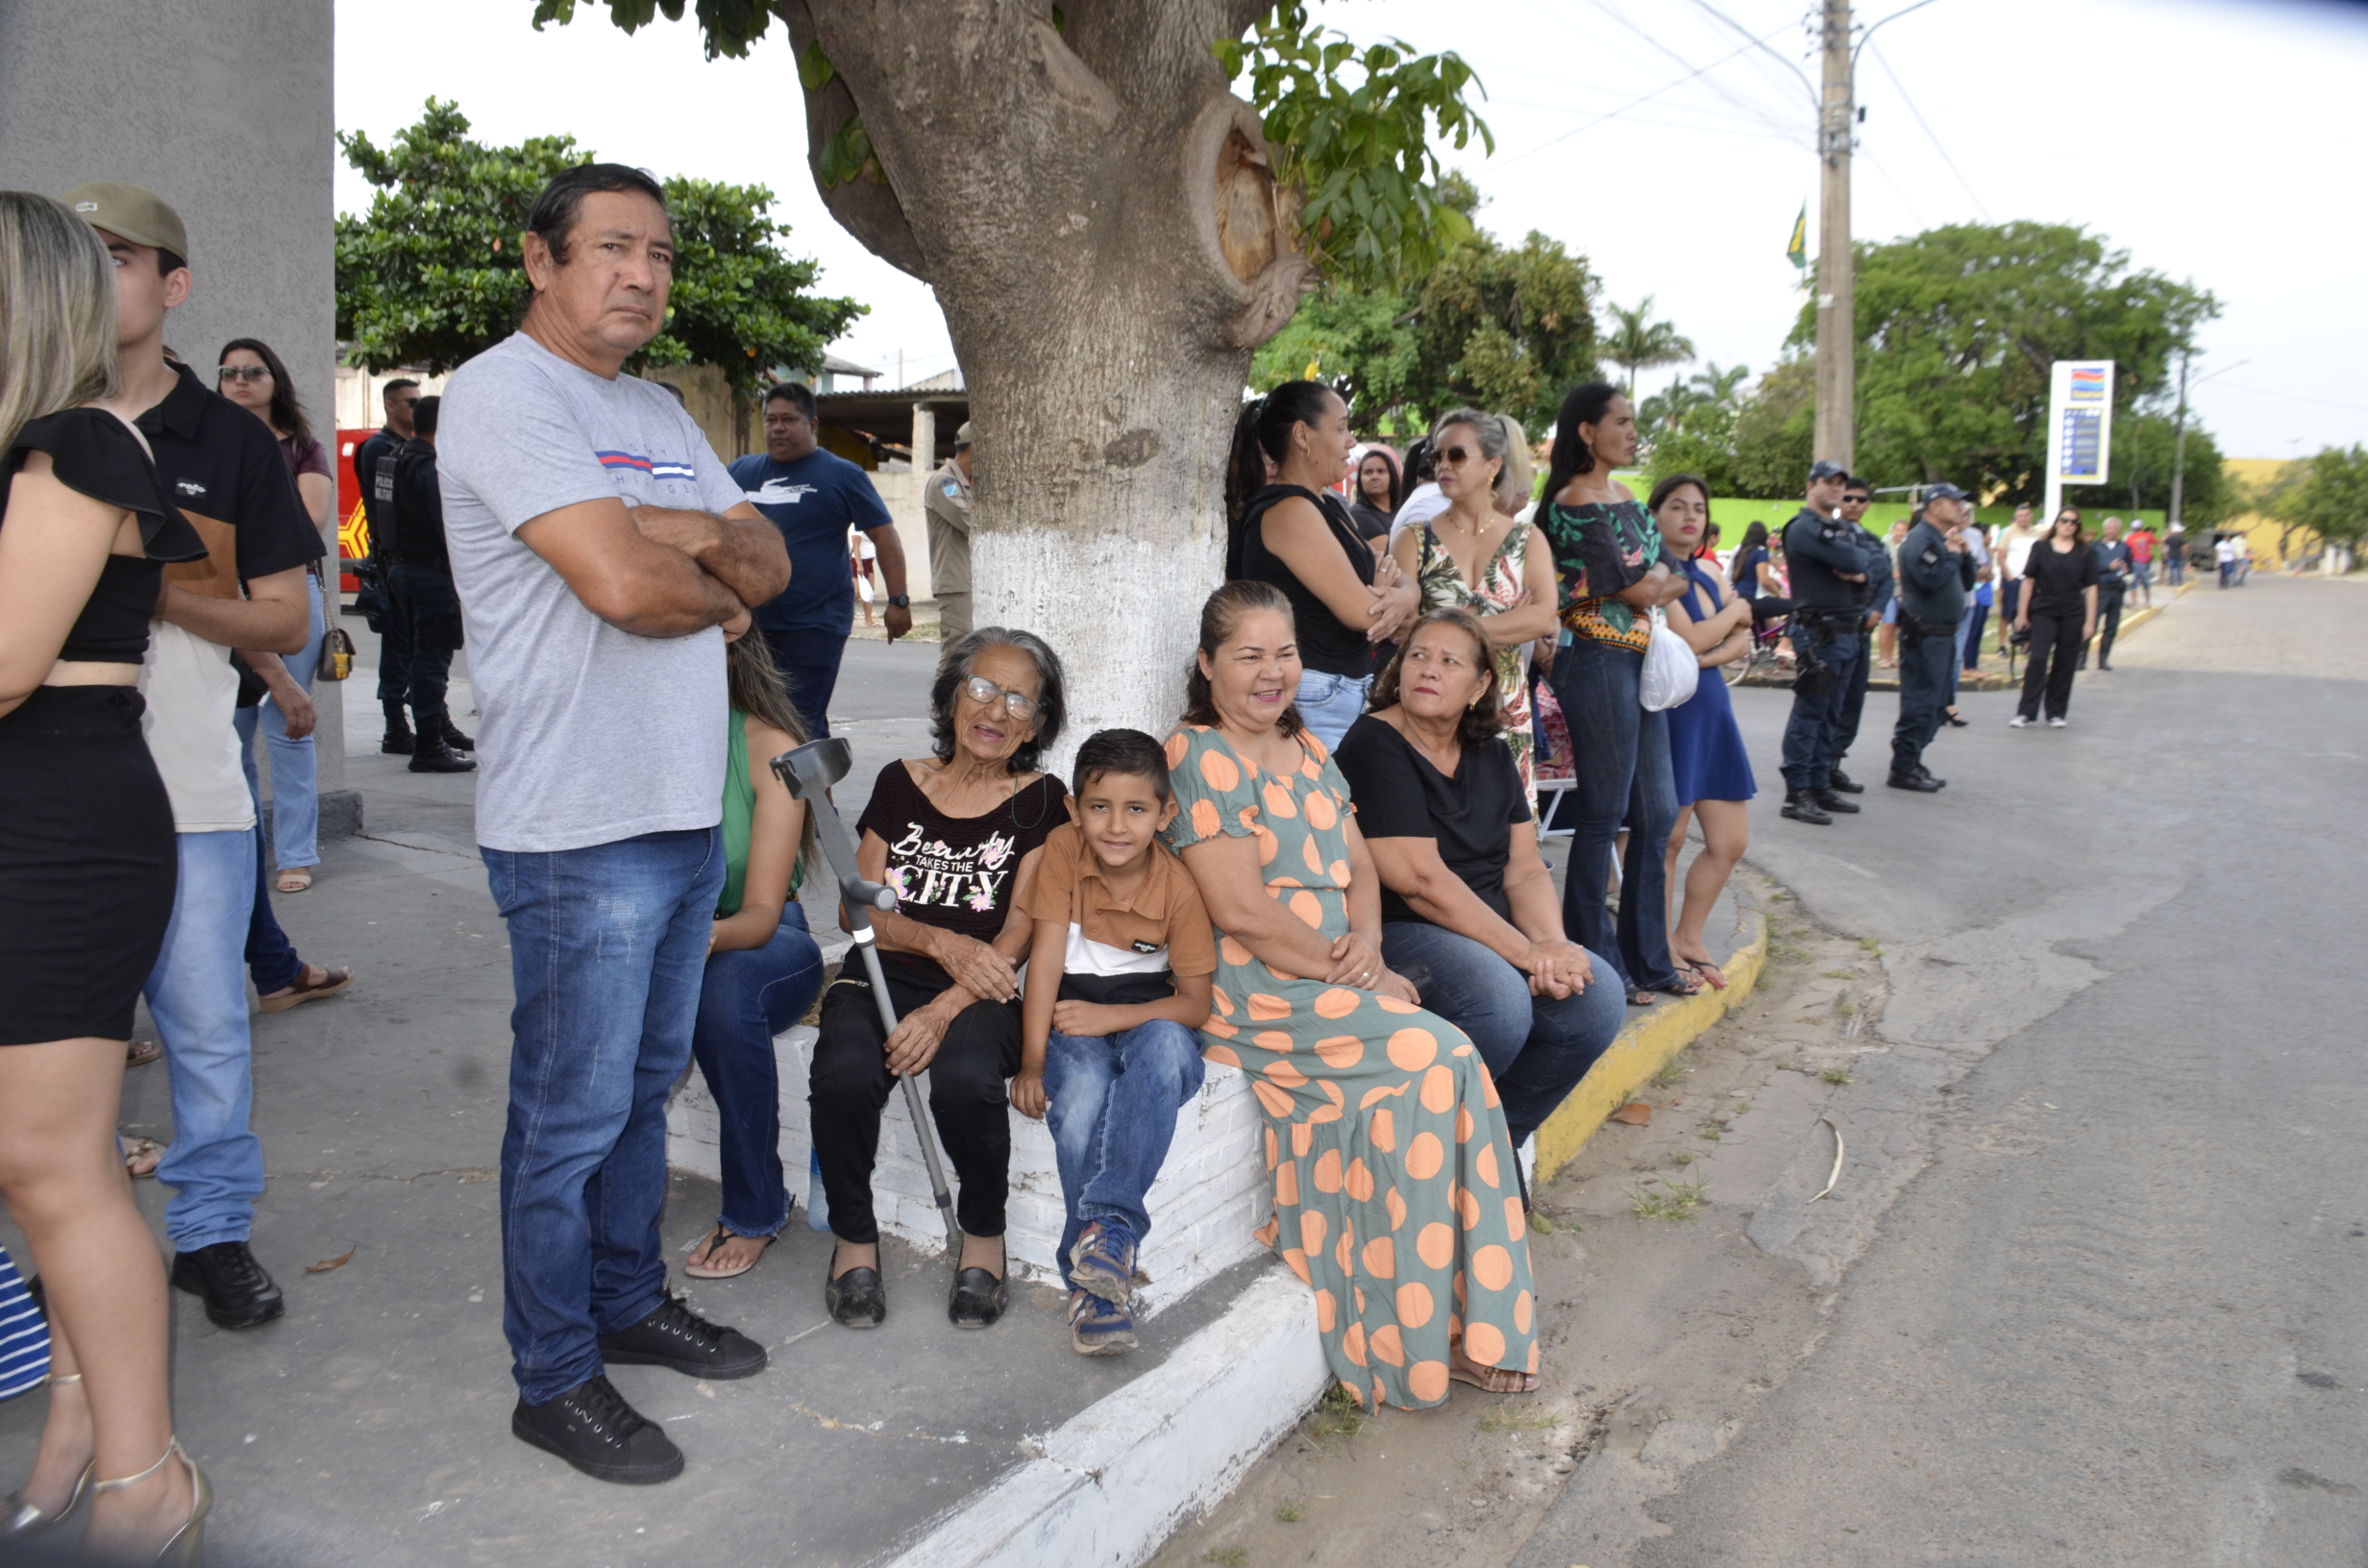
<point>707,1271</point>
<point>137,1150</point>
<point>1677,986</point>
<point>141,1052</point>
<point>304,989</point>
<point>1526,1383</point>
<point>1638,997</point>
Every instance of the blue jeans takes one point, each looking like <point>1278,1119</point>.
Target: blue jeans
<point>1969,637</point>
<point>809,659</point>
<point>607,945</point>
<point>1111,1103</point>
<point>271,958</point>
<point>1537,1047</point>
<point>745,998</point>
<point>295,768</point>
<point>1812,734</point>
<point>1328,705</point>
<point>197,993</point>
<point>1622,757</point>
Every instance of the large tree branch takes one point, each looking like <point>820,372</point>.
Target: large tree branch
<point>866,208</point>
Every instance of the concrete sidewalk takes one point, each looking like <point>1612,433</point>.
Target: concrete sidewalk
<point>370,1426</point>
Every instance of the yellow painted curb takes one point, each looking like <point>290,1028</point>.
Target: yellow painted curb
<point>1643,1048</point>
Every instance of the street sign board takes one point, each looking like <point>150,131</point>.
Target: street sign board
<point>2079,426</point>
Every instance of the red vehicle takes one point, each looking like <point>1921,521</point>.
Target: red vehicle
<point>352,528</point>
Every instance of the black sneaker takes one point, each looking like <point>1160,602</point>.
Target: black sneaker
<point>675,1336</point>
<point>1802,807</point>
<point>1920,782</point>
<point>1825,797</point>
<point>1847,785</point>
<point>593,1428</point>
<point>226,1277</point>
<point>435,757</point>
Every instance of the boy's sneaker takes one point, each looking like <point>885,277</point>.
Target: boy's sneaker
<point>1097,1327</point>
<point>1103,1263</point>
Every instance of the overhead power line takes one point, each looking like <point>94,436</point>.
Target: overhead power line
<point>1910,99</point>
<point>1638,102</point>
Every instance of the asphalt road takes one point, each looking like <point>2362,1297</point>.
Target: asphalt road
<point>2094,1287</point>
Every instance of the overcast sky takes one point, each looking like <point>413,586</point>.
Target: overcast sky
<point>2218,141</point>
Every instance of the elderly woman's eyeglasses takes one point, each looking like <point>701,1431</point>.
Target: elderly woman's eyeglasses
<point>241,373</point>
<point>1018,704</point>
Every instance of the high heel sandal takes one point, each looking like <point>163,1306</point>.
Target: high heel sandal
<point>186,1549</point>
<point>25,1520</point>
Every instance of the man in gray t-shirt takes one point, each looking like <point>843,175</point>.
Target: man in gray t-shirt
<point>597,545</point>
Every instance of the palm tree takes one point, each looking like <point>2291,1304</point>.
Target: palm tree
<point>1719,385</point>
<point>1638,342</point>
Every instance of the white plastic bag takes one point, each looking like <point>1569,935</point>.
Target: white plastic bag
<point>1672,668</point>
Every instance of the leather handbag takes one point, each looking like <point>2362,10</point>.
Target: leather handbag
<point>336,656</point>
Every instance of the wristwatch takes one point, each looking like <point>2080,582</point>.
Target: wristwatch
<point>899,601</point>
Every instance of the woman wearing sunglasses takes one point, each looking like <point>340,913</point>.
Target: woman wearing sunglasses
<point>957,834</point>
<point>251,375</point>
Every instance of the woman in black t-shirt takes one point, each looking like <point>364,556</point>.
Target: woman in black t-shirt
<point>957,834</point>
<point>1375,497</point>
<point>2059,609</point>
<point>1289,528</point>
<point>1468,911</point>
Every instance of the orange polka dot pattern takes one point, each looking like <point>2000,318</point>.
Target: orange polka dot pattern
<point>1383,1130</point>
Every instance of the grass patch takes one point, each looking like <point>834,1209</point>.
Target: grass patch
<point>1844,1008</point>
<point>1711,1132</point>
<point>1511,1417</point>
<point>1871,945</point>
<point>1841,974</point>
<point>1684,1156</point>
<point>1670,1072</point>
<point>1785,952</point>
<point>1676,1200</point>
<point>1337,1414</point>
<point>1232,1556</point>
<point>1836,1075</point>
<point>1541,1224</point>
<point>1289,1513</point>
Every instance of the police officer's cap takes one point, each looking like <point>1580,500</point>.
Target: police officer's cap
<point>1827,469</point>
<point>1944,491</point>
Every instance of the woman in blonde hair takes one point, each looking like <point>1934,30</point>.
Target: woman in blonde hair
<point>87,874</point>
<point>1476,556</point>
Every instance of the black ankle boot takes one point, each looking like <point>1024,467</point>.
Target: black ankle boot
<point>397,742</point>
<point>435,757</point>
<point>1801,805</point>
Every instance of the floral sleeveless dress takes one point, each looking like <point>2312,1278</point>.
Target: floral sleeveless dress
<point>1500,584</point>
<point>1396,1197</point>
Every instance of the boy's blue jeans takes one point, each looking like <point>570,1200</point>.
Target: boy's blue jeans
<point>1111,1103</point>
<point>608,945</point>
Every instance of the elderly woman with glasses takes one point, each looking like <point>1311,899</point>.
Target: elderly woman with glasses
<point>958,834</point>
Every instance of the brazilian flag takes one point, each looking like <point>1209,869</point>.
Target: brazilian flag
<point>1797,251</point>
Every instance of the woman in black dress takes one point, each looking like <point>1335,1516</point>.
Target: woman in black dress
<point>86,874</point>
<point>2059,609</point>
<point>958,834</point>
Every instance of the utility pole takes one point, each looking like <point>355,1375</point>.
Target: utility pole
<point>2179,449</point>
<point>1837,366</point>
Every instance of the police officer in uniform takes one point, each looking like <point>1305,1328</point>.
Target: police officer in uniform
<point>947,504</point>
<point>1935,574</point>
<point>1829,641</point>
<point>1856,497</point>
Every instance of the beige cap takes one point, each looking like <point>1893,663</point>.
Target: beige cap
<point>137,215</point>
<point>962,436</point>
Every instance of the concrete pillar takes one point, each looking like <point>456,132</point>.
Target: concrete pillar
<point>224,108</point>
<point>924,439</point>
<point>915,532</point>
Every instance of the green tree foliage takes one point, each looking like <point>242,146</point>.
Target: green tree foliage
<point>1958,328</point>
<point>1773,431</point>
<point>2328,495</point>
<point>1691,427</point>
<point>1507,329</point>
<point>2145,447</point>
<point>432,274</point>
<point>1635,341</point>
<point>1353,131</point>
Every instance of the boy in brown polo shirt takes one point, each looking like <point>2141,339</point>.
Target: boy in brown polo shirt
<point>1118,986</point>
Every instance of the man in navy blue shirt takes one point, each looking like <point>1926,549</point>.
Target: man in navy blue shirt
<point>812,496</point>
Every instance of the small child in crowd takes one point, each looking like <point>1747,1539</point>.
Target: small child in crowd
<point>1118,986</point>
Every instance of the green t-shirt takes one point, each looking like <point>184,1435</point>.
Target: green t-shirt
<point>739,816</point>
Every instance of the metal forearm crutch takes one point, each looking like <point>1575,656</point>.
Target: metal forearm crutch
<point>809,771</point>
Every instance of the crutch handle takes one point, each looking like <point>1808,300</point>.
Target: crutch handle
<point>856,892</point>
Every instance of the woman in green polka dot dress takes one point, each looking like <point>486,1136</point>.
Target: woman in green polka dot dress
<point>1396,1197</point>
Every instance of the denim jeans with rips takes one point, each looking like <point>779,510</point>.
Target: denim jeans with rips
<point>1111,1102</point>
<point>608,946</point>
<point>198,995</point>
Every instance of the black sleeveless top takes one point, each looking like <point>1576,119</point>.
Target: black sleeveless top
<point>1325,646</point>
<point>92,452</point>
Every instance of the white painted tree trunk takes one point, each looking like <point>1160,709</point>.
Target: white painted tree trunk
<point>1094,212</point>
